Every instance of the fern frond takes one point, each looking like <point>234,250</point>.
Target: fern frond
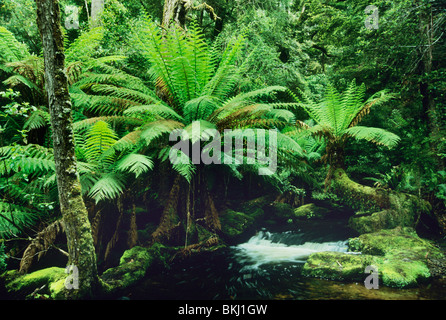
<point>28,159</point>
<point>197,130</point>
<point>376,135</point>
<point>10,48</point>
<point>108,187</point>
<point>134,163</point>
<point>158,128</point>
<point>128,142</point>
<point>37,119</point>
<point>111,120</point>
<point>102,104</point>
<point>200,108</point>
<point>155,110</point>
<point>124,93</point>
<point>377,99</point>
<point>222,82</point>
<point>85,46</point>
<point>183,165</point>
<point>99,139</point>
<point>14,219</point>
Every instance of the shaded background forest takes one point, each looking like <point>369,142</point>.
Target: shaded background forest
<point>301,45</point>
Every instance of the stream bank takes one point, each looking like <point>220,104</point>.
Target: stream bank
<point>269,250</point>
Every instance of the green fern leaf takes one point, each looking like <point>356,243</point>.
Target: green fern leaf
<point>134,163</point>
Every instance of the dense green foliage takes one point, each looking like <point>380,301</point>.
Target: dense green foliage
<point>309,70</point>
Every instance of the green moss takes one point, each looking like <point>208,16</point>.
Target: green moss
<point>57,289</point>
<point>133,266</point>
<point>234,223</point>
<point>401,257</point>
<point>281,211</point>
<point>28,283</point>
<point>402,273</point>
<point>337,266</point>
<point>392,241</point>
<point>384,209</point>
<point>310,211</point>
<point>355,195</point>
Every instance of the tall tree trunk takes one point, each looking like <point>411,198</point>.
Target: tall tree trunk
<point>425,69</point>
<point>97,6</point>
<point>77,226</point>
<point>175,11</point>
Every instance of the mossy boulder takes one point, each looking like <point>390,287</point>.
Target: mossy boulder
<point>237,222</point>
<point>280,211</point>
<point>337,266</point>
<point>391,241</point>
<point>234,223</point>
<point>133,266</point>
<point>24,285</point>
<point>310,211</point>
<point>402,258</point>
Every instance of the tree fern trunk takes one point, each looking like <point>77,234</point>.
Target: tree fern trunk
<point>132,239</point>
<point>169,218</point>
<point>77,226</point>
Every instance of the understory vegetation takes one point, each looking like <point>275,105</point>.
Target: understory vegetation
<point>346,103</point>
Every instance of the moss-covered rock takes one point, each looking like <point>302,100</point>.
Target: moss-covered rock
<point>280,211</point>
<point>337,266</point>
<point>133,266</point>
<point>23,285</point>
<point>401,257</point>
<point>58,290</point>
<point>392,241</point>
<point>234,223</point>
<point>310,211</point>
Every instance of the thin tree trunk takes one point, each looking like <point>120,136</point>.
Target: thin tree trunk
<point>425,68</point>
<point>77,226</point>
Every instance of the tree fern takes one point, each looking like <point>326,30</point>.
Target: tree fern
<point>337,116</point>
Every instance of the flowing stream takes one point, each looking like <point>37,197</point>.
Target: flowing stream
<point>274,248</point>
<point>268,266</point>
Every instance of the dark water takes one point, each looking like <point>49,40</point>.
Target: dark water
<point>268,266</point>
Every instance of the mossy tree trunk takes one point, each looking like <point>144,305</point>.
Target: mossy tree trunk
<point>77,226</point>
<point>175,12</point>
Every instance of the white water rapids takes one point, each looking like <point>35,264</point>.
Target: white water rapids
<point>266,248</point>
